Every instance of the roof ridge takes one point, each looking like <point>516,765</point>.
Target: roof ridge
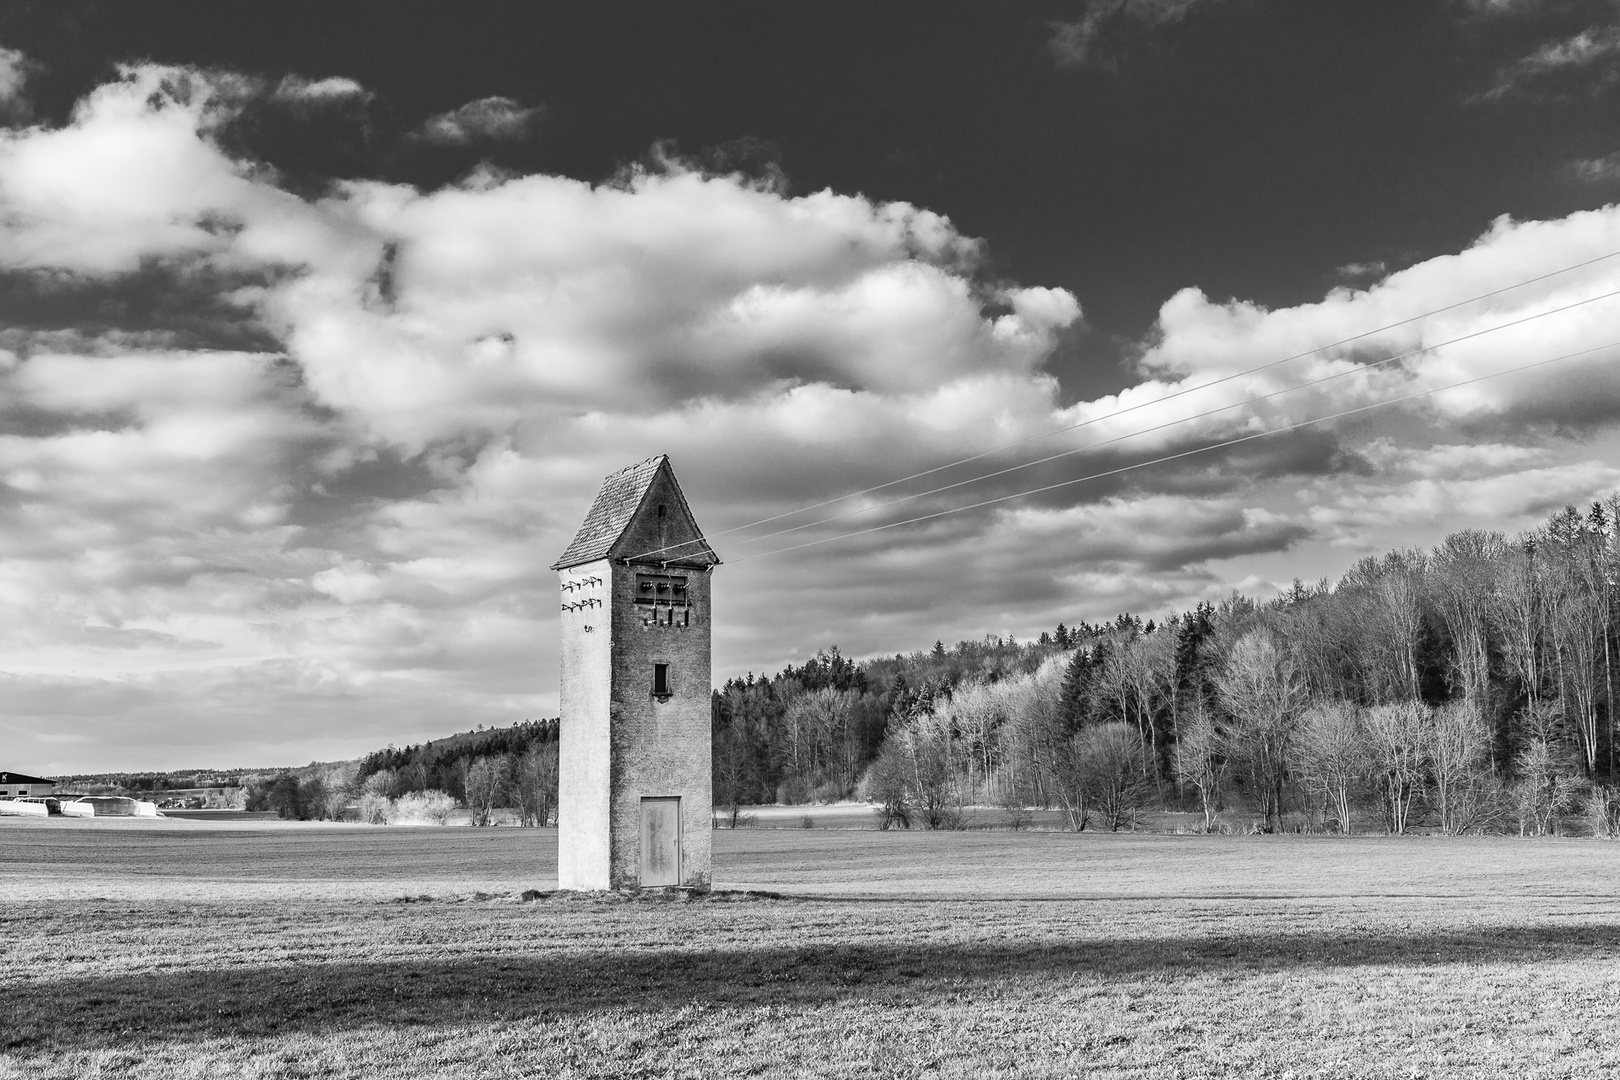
<point>617,502</point>
<point>637,465</point>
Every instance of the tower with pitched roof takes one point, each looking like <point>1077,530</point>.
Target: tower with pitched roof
<point>634,800</point>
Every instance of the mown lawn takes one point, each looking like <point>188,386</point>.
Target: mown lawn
<point>291,952</point>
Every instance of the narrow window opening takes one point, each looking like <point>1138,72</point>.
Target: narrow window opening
<point>660,509</point>
<point>661,680</point>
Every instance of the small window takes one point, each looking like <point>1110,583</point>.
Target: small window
<point>661,680</point>
<point>660,510</point>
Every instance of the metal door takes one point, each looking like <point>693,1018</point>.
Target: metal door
<point>660,842</point>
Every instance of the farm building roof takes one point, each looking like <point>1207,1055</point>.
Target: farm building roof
<point>23,778</point>
<point>617,502</point>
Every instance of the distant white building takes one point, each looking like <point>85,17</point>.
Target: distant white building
<point>13,784</point>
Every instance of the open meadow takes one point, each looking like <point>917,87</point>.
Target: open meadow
<point>183,948</point>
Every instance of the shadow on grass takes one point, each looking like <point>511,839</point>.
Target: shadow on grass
<point>91,1013</point>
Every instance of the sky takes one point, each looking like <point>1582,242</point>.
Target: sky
<point>320,325</point>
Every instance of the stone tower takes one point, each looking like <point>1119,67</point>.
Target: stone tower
<point>635,795</point>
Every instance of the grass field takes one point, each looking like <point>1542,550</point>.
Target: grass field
<point>175,949</point>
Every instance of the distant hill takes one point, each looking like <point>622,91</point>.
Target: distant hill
<point>135,783</point>
<point>439,763</point>
<point>436,763</point>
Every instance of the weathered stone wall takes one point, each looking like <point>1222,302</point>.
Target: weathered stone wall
<point>584,779</point>
<point>661,748</point>
<point>652,538</point>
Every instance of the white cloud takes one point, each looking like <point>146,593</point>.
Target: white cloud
<point>15,67</point>
<point>295,89</point>
<point>491,118</point>
<point>1199,340</point>
<point>1360,270</point>
<point>1592,57</point>
<point>1597,170</point>
<point>135,177</point>
<point>350,533</point>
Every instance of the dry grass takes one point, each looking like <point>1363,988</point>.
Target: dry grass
<point>967,955</point>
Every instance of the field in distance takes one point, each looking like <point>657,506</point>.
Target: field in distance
<point>178,949</point>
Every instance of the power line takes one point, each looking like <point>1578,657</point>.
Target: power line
<point>1177,456</point>
<point>1121,412</point>
<point>1142,431</point>
<point>1173,423</point>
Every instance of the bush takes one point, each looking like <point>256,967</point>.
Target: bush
<point>1113,763</point>
<point>1603,812</point>
<point>376,809</point>
<point>423,808</point>
<point>1549,786</point>
<point>885,784</point>
<point>793,791</point>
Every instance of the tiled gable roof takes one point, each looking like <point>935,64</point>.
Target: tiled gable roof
<point>612,518</point>
<point>616,503</point>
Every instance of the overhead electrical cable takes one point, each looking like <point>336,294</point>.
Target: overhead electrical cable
<point>1128,435</point>
<point>1179,455</point>
<point>1171,423</point>
<point>1170,397</point>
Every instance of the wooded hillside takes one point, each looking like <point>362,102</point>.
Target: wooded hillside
<point>1466,687</point>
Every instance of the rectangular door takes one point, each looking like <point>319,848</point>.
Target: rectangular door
<point>660,842</point>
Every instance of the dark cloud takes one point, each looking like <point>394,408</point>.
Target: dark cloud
<point>162,304</point>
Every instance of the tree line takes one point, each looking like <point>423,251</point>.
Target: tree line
<point>484,770</point>
<point>1463,688</point>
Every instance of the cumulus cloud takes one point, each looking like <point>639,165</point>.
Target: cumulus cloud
<point>297,90</point>
<point>492,119</point>
<point>342,537</point>
<point>368,509</point>
<point>1082,42</point>
<point>1202,339</point>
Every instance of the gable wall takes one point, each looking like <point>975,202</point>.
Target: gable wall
<point>647,532</point>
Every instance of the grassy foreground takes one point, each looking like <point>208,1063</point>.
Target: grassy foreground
<point>170,951</point>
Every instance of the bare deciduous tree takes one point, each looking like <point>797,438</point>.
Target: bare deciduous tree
<point>1201,760</point>
<point>1330,755</point>
<point>1395,738</point>
<point>485,780</point>
<point>1462,581</point>
<point>1264,693</point>
<point>536,784</point>
<point>1390,596</point>
<point>1457,749</point>
<point>1113,760</point>
<point>1549,783</point>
